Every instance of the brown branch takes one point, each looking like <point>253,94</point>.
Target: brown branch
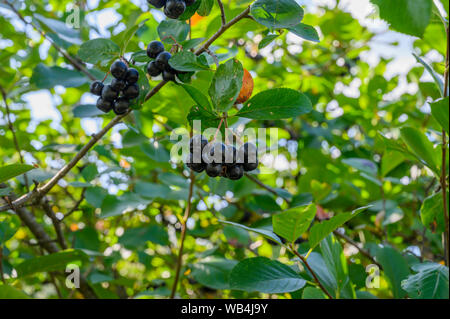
<point>222,12</point>
<point>74,62</point>
<point>76,206</point>
<point>262,185</point>
<point>303,259</point>
<point>444,161</point>
<point>187,212</point>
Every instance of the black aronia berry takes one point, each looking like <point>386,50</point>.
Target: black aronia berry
<point>160,64</point>
<point>117,95</point>
<point>219,159</point>
<point>173,9</point>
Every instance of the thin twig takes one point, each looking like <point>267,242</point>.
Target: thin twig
<point>261,184</point>
<point>310,270</point>
<point>187,212</point>
<point>76,206</point>
<point>55,221</point>
<point>360,249</point>
<point>222,12</point>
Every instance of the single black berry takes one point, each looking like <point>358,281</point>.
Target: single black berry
<point>174,8</point>
<point>157,3</point>
<point>168,76</point>
<point>230,155</point>
<point>213,170</point>
<point>248,156</point>
<point>131,91</point>
<point>162,60</point>
<point>214,153</point>
<point>197,143</point>
<point>96,88</point>
<point>109,94</point>
<point>118,85</point>
<point>248,167</point>
<point>154,48</point>
<point>236,172</point>
<point>189,2</point>
<point>132,76</point>
<point>195,165</point>
<point>118,69</point>
<point>103,105</point>
<point>153,69</point>
<point>121,106</point>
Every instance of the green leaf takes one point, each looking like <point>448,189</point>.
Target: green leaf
<point>391,159</point>
<point>8,227</point>
<point>226,85</point>
<point>439,110</point>
<point>421,147</point>
<point>129,35</point>
<point>175,29</point>
<point>8,292</point>
<point>362,164</point>
<point>291,224</point>
<point>155,151</point>
<point>276,104</point>
<point>306,32</point>
<point>137,237</point>
<point>321,230</point>
<point>45,77</point>
<point>98,51</point>
<point>115,206</point>
<point>432,209</point>
<point>430,282</point>
<point>277,14</point>
<point>213,272</point>
<point>436,77</point>
<point>264,232</point>
<point>86,110</point>
<point>52,262</point>
<point>205,7</point>
<point>61,29</point>
<point>10,171</point>
<point>264,275</point>
<point>198,97</point>
<point>186,61</point>
<point>267,40</point>
<point>190,11</point>
<point>312,293</point>
<point>406,16</point>
<point>395,267</point>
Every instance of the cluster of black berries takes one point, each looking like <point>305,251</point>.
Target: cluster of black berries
<point>172,8</point>
<point>156,51</point>
<point>123,88</point>
<point>219,159</point>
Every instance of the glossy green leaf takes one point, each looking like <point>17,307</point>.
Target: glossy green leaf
<point>291,224</point>
<point>276,104</point>
<point>170,30</point>
<point>45,77</point>
<point>10,171</point>
<point>213,272</point>
<point>321,230</point>
<point>306,32</point>
<point>8,292</point>
<point>430,282</point>
<point>264,232</point>
<point>187,61</point>
<point>276,14</point>
<point>98,51</point>
<point>226,85</point>
<point>264,275</point>
<point>439,110</point>
<point>395,267</point>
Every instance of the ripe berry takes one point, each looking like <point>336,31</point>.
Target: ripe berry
<point>189,2</point>
<point>118,69</point>
<point>96,88</point>
<point>214,153</point>
<point>174,8</point>
<point>196,167</point>
<point>248,155</point>
<point>213,170</point>
<point>230,155</point>
<point>248,167</point>
<point>162,60</point>
<point>236,172</point>
<point>118,85</point>
<point>168,76</point>
<point>131,91</point>
<point>197,143</point>
<point>109,94</point>
<point>121,106</point>
<point>132,76</point>
<point>103,105</point>
<point>157,3</point>
<point>154,48</point>
<point>153,69</point>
